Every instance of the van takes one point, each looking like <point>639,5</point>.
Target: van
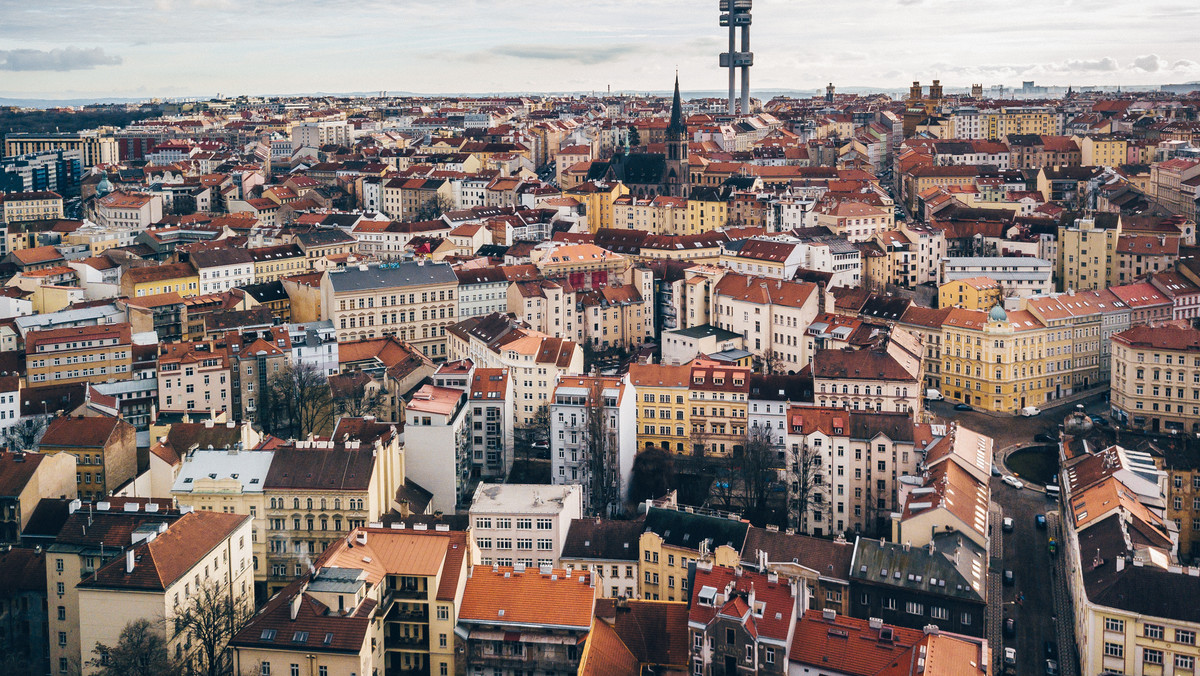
<point>1030,411</point>
<point>933,395</point>
<point>1053,491</point>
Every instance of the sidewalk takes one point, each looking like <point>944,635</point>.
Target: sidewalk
<point>1067,655</point>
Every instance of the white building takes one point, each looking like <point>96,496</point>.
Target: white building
<point>1018,276</point>
<point>573,442</point>
<point>315,343</point>
<point>437,444</point>
<point>523,523</point>
<point>223,269</point>
<point>317,134</point>
<point>481,291</point>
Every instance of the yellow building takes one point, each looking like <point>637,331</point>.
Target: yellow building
<point>598,201</point>
<point>718,394</point>
<point>676,537</point>
<point>664,410</point>
<point>31,206</point>
<point>973,293</point>
<point>274,262</point>
<point>180,278</point>
<point>1155,372</point>
<point>994,361</point>
<point>708,210</point>
<point>1102,151</point>
<point>1086,252</point>
<point>78,354</point>
<point>660,215</point>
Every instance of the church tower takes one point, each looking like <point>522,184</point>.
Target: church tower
<point>677,148</point>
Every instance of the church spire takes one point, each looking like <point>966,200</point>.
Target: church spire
<point>676,128</point>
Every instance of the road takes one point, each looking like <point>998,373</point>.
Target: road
<point>1008,430</point>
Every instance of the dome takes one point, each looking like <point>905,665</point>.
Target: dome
<point>103,187</point>
<point>998,314</point>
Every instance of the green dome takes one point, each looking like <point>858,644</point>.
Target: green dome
<point>998,314</point>
<point>103,187</point>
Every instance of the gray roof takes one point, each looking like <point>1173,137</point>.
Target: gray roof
<point>88,316</point>
<point>706,330</point>
<point>1023,261</point>
<point>391,275</point>
<point>918,569</point>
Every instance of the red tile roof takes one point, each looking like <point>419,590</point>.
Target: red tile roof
<point>498,595</point>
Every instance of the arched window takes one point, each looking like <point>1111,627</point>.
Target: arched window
<point>309,506</point>
<point>337,503</point>
<point>295,503</point>
<point>322,503</point>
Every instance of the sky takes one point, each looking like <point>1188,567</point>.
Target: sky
<point>57,49</point>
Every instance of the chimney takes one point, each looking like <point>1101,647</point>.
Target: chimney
<point>875,623</point>
<point>129,559</point>
<point>209,423</point>
<point>829,615</point>
<point>932,630</point>
<point>295,604</point>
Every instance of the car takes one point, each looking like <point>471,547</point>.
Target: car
<point>1013,481</point>
<point>1009,579</point>
<point>1040,520</point>
<point>996,471</point>
<point>963,407</point>
<point>1051,649</point>
<point>1030,411</point>
<point>1051,667</point>
<point>1097,420</point>
<point>1045,438</point>
<point>1008,524</point>
<point>933,395</point>
<point>1053,492</point>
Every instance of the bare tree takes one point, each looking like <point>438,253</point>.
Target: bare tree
<point>809,489</point>
<point>26,434</point>
<point>536,431</point>
<point>362,400</point>
<point>434,207</point>
<point>211,618</point>
<point>757,470</point>
<point>297,403</point>
<point>601,446</point>
<point>141,650</point>
<point>653,474</point>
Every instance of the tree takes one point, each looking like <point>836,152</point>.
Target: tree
<point>141,650</point>
<point>600,444</point>
<point>634,137</point>
<point>809,487</point>
<point>536,431</point>
<point>434,207</point>
<point>297,402</point>
<point>211,618</point>
<point>653,474</point>
<point>757,470</point>
<point>362,399</point>
<point>26,434</point>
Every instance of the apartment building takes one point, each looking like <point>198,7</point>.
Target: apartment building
<point>972,293</point>
<point>180,278</point>
<point>489,396</point>
<point>997,361</point>
<point>819,565</point>
<point>523,524</point>
<point>438,453</point>
<point>1176,185</point>
<point>30,206</point>
<point>26,479</point>
<point>88,539</point>
<point>380,600</point>
<point>1078,326</point>
<point>719,397</point>
<point>317,491</point>
<point>105,448</point>
<point>862,456</point>
<point>593,439</point>
<point>101,353</point>
<point>1018,276</point>
<point>741,620</point>
<point>222,269</point>
<point>663,408</point>
<point>173,567</point>
<point>534,360</point>
<point>193,377</point>
<point>608,549</point>
<point>412,300</point>
<point>771,315</point>
<point>96,146</point>
<point>674,538</point>
<point>884,379</point>
<point>553,608</point>
<point>275,262</point>
<point>254,357</point>
<point>1156,378</point>
<point>128,209</point>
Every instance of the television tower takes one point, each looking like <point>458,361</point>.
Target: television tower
<point>736,14</point>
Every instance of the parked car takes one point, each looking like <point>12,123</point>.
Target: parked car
<point>1013,481</point>
<point>1010,629</point>
<point>1045,438</point>
<point>1009,578</point>
<point>1051,667</point>
<point>996,471</point>
<point>1008,524</point>
<point>1040,520</point>
<point>1051,649</point>
<point>1098,420</point>
<point>1053,492</point>
<point>933,395</point>
<point>1030,411</point>
<point>963,407</point>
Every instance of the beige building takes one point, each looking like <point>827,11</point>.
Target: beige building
<point>193,377</point>
<point>771,315</point>
<point>674,538</point>
<point>661,215</point>
<point>128,209</point>
<point>165,572</point>
<point>887,379</point>
<point>30,206</point>
<point>96,146</point>
<point>27,478</point>
<point>1155,376</point>
<point>1087,252</point>
<point>101,353</point>
<point>412,300</point>
<point>105,448</point>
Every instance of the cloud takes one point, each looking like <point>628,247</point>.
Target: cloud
<point>68,58</point>
<point>1107,64</point>
<point>582,55</point>
<point>1148,63</point>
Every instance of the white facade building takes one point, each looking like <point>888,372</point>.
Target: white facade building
<point>523,523</point>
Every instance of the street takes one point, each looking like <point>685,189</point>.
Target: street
<point>1008,429</point>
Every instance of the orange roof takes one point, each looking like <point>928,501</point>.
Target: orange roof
<point>849,645</point>
<point>391,552</point>
<point>607,655</point>
<point>499,595</point>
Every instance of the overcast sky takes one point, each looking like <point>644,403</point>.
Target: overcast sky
<point>143,48</point>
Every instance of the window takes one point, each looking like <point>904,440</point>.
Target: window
<point>769,656</point>
<point>914,608</point>
<point>264,669</point>
<point>1185,637</point>
<point>939,613</point>
<point>1151,656</point>
<point>889,604</point>
<point>62,612</point>
<point>545,524</point>
<point>62,638</point>
<point>524,524</point>
<point>1154,631</point>
<point>443,613</point>
<point>1111,624</point>
<point>730,635</point>
<point>1185,662</point>
<point>1114,650</point>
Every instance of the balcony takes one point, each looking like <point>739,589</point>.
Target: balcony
<point>412,643</point>
<point>410,614</point>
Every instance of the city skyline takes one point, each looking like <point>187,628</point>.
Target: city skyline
<point>186,48</point>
